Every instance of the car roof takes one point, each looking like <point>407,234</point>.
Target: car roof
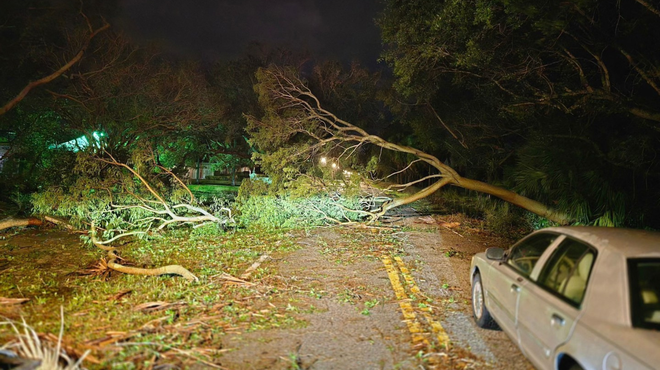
<point>628,242</point>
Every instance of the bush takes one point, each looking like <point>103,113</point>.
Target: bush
<point>499,217</point>
<point>510,221</point>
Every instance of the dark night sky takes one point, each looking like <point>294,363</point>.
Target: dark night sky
<point>343,29</point>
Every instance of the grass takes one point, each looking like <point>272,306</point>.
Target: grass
<point>102,312</point>
<point>213,189</point>
<point>136,322</point>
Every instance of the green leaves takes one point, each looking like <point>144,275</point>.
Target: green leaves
<point>532,88</point>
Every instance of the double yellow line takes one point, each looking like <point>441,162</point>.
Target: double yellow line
<point>409,313</point>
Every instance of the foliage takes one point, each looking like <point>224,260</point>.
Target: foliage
<point>297,128</point>
<point>497,216</point>
<point>33,160</point>
<point>581,185</point>
<point>116,200</point>
<point>302,205</point>
<point>562,56</point>
<point>136,96</point>
<point>503,219</point>
<point>555,100</point>
<point>287,153</point>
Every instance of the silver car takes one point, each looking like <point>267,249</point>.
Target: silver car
<point>575,297</point>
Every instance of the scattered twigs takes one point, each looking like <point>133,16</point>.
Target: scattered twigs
<point>120,295</point>
<point>28,345</point>
<point>193,353</point>
<point>60,222</point>
<point>156,306</point>
<point>452,230</point>
<point>231,279</point>
<point>246,274</point>
<point>12,301</point>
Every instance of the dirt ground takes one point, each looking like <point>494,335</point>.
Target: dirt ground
<point>367,298</point>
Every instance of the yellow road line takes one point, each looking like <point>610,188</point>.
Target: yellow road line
<point>404,302</point>
<point>437,328</point>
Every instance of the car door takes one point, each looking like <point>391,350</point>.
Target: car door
<point>549,308</point>
<point>508,279</point>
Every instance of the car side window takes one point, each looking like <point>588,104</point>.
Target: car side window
<point>523,256</point>
<point>568,269</point>
<point>644,279</point>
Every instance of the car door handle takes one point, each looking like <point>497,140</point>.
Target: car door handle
<point>557,320</point>
<point>515,288</point>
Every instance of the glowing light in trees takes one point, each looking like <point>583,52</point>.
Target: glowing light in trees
<point>81,142</point>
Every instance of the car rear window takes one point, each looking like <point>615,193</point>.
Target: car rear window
<point>644,277</point>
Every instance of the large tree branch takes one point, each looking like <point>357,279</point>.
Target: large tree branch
<point>643,113</point>
<point>19,222</point>
<point>160,215</point>
<point>52,76</point>
<point>650,7</point>
<point>297,105</point>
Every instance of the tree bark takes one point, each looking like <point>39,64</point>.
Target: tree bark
<point>16,222</point>
<point>515,199</point>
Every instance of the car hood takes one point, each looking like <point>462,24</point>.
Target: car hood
<point>641,344</point>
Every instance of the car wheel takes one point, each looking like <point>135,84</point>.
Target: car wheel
<point>481,314</point>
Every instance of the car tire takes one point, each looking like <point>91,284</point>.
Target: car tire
<point>481,314</point>
<point>575,366</point>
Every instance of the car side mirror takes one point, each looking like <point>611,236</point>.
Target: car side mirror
<point>494,253</point>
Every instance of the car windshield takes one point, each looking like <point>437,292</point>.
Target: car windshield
<point>645,292</point>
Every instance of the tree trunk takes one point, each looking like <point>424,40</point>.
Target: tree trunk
<point>515,199</point>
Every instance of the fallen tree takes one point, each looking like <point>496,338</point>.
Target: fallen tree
<point>123,202</point>
<point>145,215</point>
<point>293,111</point>
<point>158,214</point>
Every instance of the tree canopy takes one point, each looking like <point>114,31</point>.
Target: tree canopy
<point>558,100</point>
